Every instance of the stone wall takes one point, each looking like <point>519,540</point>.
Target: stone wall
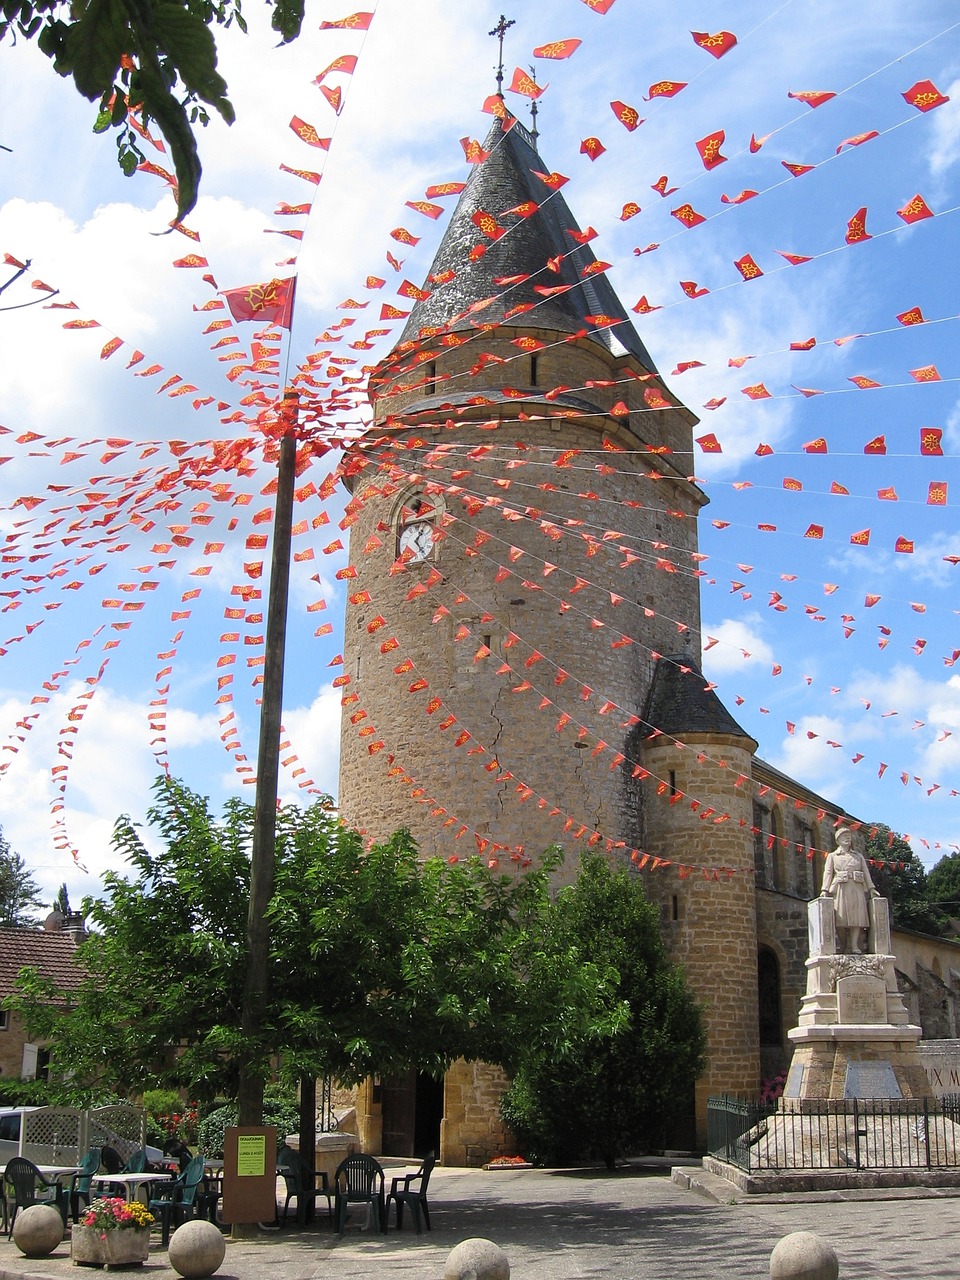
<point>928,974</point>
<point>527,625</point>
<point>472,1132</point>
<point>710,921</point>
<point>782,928</point>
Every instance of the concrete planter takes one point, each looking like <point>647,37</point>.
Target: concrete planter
<point>121,1248</point>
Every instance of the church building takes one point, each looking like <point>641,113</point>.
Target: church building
<point>524,652</point>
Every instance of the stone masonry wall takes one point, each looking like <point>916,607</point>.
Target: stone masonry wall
<point>471,1132</point>
<point>710,922</point>
<point>570,617</point>
<point>782,926</point>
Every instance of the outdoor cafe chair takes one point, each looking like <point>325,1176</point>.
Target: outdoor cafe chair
<point>178,1199</point>
<point>137,1162</point>
<point>359,1180</point>
<point>295,1174</point>
<point>411,1189</point>
<point>28,1185</point>
<point>80,1182</point>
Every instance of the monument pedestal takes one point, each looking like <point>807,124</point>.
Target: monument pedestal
<point>867,1062</point>
<point>854,1038</point>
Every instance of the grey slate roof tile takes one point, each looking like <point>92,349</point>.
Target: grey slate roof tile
<point>680,702</point>
<point>503,181</point>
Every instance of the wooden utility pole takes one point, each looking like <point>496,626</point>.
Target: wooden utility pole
<point>256,993</point>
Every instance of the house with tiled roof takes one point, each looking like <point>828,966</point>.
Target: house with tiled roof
<point>50,951</point>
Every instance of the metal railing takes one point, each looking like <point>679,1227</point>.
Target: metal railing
<point>848,1134</point>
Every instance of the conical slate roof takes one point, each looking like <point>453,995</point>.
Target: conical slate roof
<point>680,703</point>
<point>503,181</point>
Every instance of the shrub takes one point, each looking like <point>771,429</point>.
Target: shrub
<point>281,1112</point>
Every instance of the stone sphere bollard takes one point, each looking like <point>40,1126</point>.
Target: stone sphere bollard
<point>477,1259</point>
<point>802,1255</point>
<point>196,1249</point>
<point>38,1230</point>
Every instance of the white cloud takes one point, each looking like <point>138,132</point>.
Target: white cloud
<point>811,758</point>
<point>314,733</point>
<point>741,645</point>
<point>944,151</point>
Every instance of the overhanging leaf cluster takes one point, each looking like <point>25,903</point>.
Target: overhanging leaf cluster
<point>154,57</point>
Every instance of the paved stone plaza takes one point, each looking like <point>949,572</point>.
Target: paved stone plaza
<point>633,1225</point>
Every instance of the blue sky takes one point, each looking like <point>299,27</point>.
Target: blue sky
<point>424,70</point>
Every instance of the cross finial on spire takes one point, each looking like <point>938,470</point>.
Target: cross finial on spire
<point>500,30</point>
<point>534,109</point>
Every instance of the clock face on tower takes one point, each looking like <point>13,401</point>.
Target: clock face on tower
<point>417,539</point>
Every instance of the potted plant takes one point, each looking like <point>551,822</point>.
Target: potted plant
<point>112,1232</point>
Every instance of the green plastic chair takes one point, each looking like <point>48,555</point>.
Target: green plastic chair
<point>411,1189</point>
<point>178,1199</point>
<point>359,1180</point>
<point>137,1162</point>
<point>29,1185</point>
<point>295,1175</point>
<point>80,1182</point>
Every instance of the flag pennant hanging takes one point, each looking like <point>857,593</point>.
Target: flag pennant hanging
<point>308,134</point>
<point>812,98</point>
<point>353,22</point>
<point>686,214</point>
<point>708,149</point>
<point>747,267</point>
<point>628,116</point>
<point>924,95</point>
<point>270,303</point>
<point>665,89</point>
<point>557,49</point>
<point>915,210</point>
<point>525,84</point>
<point>346,63</point>
<point>716,45</point>
<point>857,228</point>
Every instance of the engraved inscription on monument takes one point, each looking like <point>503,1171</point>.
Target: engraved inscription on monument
<point>861,1000</point>
<point>871,1080</point>
<point>792,1089</point>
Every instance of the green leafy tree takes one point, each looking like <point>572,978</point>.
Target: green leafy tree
<point>155,57</point>
<point>608,1094</point>
<point>379,962</point>
<point>902,879</point>
<point>943,885</point>
<point>19,892</point>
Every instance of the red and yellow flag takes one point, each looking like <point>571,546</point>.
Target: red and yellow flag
<point>353,22</point>
<point>270,303</point>
<point>716,45</point>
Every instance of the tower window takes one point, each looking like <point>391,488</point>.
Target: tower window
<point>675,908</point>
<point>673,782</point>
<point>533,370</point>
<point>430,387</point>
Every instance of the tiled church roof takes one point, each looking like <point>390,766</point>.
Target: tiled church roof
<point>501,182</point>
<point>680,702</point>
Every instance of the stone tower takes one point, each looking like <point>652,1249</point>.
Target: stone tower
<point>524,538</point>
